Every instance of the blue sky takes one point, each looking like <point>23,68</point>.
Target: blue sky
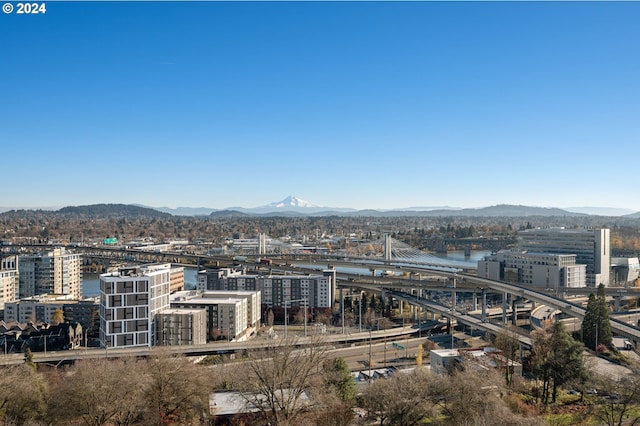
<point>343,104</point>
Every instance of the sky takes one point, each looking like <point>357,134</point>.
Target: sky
<point>343,104</point>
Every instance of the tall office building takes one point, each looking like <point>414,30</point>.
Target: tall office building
<point>54,272</point>
<point>129,301</point>
<point>591,247</point>
<point>8,280</point>
<point>543,270</point>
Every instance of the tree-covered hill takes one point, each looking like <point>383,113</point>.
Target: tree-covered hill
<point>112,210</point>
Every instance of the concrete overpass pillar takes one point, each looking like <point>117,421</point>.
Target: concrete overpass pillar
<point>342,307</point>
<point>475,300</point>
<point>505,303</point>
<point>514,310</point>
<point>453,300</point>
<point>484,304</point>
<point>616,303</point>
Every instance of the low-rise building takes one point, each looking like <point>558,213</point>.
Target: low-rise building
<point>175,327</point>
<point>446,361</point>
<point>231,315</point>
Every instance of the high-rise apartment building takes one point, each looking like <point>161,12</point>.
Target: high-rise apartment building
<point>316,290</point>
<point>591,247</point>
<point>54,272</point>
<point>8,280</point>
<point>129,301</point>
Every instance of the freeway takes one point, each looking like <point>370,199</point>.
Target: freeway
<point>462,282</point>
<point>58,357</point>
<point>462,318</point>
<point>568,308</point>
<point>468,282</point>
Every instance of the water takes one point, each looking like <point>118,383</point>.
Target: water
<point>91,282</point>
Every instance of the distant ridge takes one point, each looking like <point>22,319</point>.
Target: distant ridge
<point>228,213</point>
<point>112,210</point>
<point>294,207</point>
<point>184,211</point>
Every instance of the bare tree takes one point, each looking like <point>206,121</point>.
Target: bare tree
<point>279,378</point>
<point>401,400</point>
<point>22,395</point>
<point>177,390</point>
<point>99,392</point>
<point>509,344</point>
<point>474,398</point>
<point>619,400</point>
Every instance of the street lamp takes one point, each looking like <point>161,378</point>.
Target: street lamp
<point>359,309</point>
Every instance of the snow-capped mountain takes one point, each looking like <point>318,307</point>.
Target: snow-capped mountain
<point>291,205</point>
<point>292,202</point>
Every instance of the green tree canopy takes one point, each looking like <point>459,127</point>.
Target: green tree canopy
<point>557,359</point>
<point>338,376</point>
<point>596,327</point>
<point>605,336</point>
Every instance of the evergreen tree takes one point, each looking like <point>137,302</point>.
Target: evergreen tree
<point>567,362</point>
<point>605,336</point>
<point>557,359</point>
<point>596,328</point>
<point>590,322</point>
<point>338,376</point>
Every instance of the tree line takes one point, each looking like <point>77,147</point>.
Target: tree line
<point>413,230</point>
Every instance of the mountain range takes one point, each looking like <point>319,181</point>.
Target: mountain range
<point>294,206</point>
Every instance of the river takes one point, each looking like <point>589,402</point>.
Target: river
<point>91,282</point>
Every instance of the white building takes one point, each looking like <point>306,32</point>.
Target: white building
<point>540,270</point>
<point>55,272</point>
<point>625,269</point>
<point>129,301</point>
<point>446,361</point>
<point>9,280</point>
<point>591,247</point>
